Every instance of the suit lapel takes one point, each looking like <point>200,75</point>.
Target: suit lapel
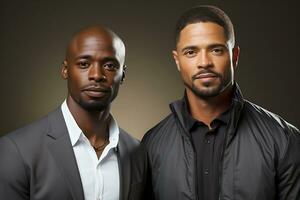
<point>124,166</point>
<point>59,145</point>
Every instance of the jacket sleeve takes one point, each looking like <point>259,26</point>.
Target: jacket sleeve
<point>288,174</point>
<point>13,181</point>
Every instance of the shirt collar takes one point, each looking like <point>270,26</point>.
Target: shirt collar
<point>189,121</point>
<point>113,132</point>
<point>75,132</point>
<point>73,128</point>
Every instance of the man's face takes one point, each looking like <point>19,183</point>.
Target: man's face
<point>94,70</point>
<point>205,59</point>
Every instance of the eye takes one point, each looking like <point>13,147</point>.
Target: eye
<point>218,51</point>
<point>83,64</point>
<point>111,66</point>
<point>190,53</point>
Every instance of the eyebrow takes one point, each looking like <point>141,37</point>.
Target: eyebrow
<point>210,46</point>
<point>83,57</point>
<point>192,47</point>
<point>112,59</point>
<point>105,59</point>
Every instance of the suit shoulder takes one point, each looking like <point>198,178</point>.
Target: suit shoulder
<point>132,145</point>
<point>31,136</point>
<point>29,131</point>
<point>128,139</point>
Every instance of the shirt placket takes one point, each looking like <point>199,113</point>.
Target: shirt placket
<point>97,172</point>
<point>99,183</point>
<point>208,161</point>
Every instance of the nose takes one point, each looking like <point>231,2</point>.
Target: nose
<point>96,73</point>
<point>204,60</point>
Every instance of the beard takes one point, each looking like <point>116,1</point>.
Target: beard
<point>93,106</point>
<point>208,90</point>
<point>97,104</point>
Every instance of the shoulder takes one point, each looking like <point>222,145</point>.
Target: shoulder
<point>129,144</point>
<point>17,148</point>
<point>29,140</point>
<point>266,118</point>
<point>34,130</point>
<point>272,127</point>
<point>29,132</point>
<point>127,139</point>
<point>160,129</point>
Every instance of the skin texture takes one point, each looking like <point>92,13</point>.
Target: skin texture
<point>94,69</point>
<point>207,62</point>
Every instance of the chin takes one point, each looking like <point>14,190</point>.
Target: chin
<point>93,106</point>
<point>206,92</point>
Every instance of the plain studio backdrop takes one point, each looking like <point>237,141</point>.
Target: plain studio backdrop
<point>34,35</point>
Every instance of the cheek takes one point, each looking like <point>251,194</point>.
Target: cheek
<point>187,68</point>
<point>223,65</point>
<point>76,80</point>
<point>186,75</point>
<point>186,63</point>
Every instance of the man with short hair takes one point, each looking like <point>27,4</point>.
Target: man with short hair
<point>78,151</point>
<point>215,144</point>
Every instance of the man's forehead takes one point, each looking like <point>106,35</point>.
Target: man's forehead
<point>91,37</point>
<point>92,42</point>
<point>202,32</point>
<point>96,39</point>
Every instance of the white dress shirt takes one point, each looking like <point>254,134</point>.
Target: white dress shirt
<point>100,177</point>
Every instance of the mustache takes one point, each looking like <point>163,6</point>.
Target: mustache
<point>95,87</point>
<point>206,71</point>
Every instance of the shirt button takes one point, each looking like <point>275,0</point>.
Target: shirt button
<point>207,141</point>
<point>206,172</point>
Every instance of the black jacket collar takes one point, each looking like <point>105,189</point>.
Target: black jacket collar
<point>237,102</point>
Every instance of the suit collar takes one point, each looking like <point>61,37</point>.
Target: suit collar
<point>60,146</point>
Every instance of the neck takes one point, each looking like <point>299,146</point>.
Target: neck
<point>208,109</point>
<point>94,124</point>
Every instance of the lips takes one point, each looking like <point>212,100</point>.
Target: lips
<point>206,75</point>
<point>95,92</point>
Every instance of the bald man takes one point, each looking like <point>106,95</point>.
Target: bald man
<point>78,151</point>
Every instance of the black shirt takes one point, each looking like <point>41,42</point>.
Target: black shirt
<point>208,145</point>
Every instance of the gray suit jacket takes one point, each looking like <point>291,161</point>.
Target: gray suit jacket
<point>37,162</point>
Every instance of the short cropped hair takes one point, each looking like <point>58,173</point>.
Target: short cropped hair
<point>205,13</point>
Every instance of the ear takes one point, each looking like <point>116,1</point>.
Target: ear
<point>64,70</point>
<point>235,56</point>
<point>175,56</point>
<point>124,73</point>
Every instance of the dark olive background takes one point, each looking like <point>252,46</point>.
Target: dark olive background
<point>34,35</point>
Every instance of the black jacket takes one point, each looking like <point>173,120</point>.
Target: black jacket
<point>260,157</point>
